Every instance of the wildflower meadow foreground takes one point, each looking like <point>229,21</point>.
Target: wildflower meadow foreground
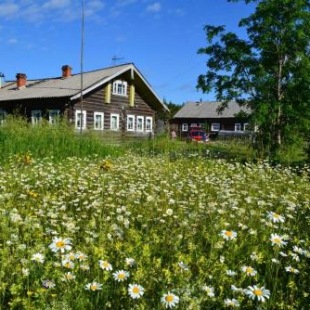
<point>153,233</point>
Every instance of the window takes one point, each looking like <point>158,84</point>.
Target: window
<point>215,127</point>
<point>53,116</point>
<point>140,123</point>
<point>98,120</point>
<point>114,122</point>
<point>80,119</point>
<point>36,116</point>
<point>194,125</point>
<point>120,88</point>
<point>184,127</point>
<point>130,122</point>
<point>238,127</point>
<point>2,116</point>
<point>148,123</point>
<point>246,126</point>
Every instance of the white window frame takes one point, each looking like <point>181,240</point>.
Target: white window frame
<point>184,127</point>
<point>215,126</point>
<point>120,88</point>
<point>116,116</point>
<point>149,123</point>
<point>130,121</point>
<point>246,126</point>
<point>238,127</point>
<point>36,117</point>
<point>78,118</point>
<point>2,116</point>
<point>140,128</point>
<point>53,115</point>
<point>101,121</point>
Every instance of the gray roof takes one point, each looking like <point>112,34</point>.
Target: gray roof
<point>209,109</point>
<point>71,86</point>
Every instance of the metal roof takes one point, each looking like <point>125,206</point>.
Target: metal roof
<point>209,109</point>
<point>71,86</point>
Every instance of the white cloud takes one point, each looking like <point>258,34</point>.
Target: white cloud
<point>154,8</point>
<point>37,11</point>
<point>56,4</point>
<point>8,10</point>
<point>120,3</point>
<point>12,41</point>
<point>92,8</point>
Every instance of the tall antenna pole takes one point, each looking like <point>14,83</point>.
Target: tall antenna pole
<point>82,64</point>
<point>1,76</point>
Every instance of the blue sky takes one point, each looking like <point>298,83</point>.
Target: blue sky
<point>161,37</point>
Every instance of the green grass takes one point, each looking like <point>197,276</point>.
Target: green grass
<point>19,137</point>
<point>205,222</point>
<point>192,225</point>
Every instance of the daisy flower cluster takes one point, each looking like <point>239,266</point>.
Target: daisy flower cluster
<point>160,232</point>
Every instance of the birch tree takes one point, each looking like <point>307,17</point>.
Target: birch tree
<point>268,71</point>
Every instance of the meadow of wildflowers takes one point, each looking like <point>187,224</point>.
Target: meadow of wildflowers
<point>153,233</point>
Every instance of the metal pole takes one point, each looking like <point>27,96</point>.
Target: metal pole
<point>1,76</point>
<point>82,63</point>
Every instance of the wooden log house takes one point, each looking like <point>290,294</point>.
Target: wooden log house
<point>116,98</point>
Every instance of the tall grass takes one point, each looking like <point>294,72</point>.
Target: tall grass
<point>17,136</point>
<point>60,141</point>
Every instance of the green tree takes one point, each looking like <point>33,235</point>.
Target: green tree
<point>269,71</point>
<point>173,108</point>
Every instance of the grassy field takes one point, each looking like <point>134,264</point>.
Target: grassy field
<point>152,225</point>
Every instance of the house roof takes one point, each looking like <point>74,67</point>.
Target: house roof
<point>71,86</point>
<point>209,109</point>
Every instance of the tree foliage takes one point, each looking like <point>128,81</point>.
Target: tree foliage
<point>268,71</point>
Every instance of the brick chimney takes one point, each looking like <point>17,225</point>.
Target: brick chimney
<point>66,71</point>
<point>21,80</point>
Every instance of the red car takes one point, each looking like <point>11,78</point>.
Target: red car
<point>196,134</point>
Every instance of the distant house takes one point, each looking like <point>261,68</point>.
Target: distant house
<point>117,98</point>
<point>210,116</point>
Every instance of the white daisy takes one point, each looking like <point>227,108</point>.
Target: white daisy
<point>170,300</point>
<point>68,276</point>
<point>275,217</point>
<point>290,269</point>
<point>233,303</point>
<point>93,286</point>
<point>236,289</point>
<point>277,240</point>
<point>249,270</point>
<point>105,265</point>
<point>209,290</point>
<point>67,263</point>
<point>81,256</point>
<point>169,212</point>
<point>38,257</point>
<point>228,234</point>
<point>84,267</point>
<point>120,275</point>
<point>259,293</point>
<point>25,272</point>
<point>135,291</point>
<point>298,250</point>
<point>275,261</point>
<point>60,245</point>
<point>231,273</point>
<point>70,256</point>
<point>130,261</point>
<point>48,284</point>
